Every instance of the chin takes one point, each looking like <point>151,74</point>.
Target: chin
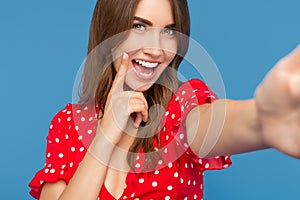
<point>139,88</point>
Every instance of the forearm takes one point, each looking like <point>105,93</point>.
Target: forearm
<point>90,175</point>
<point>226,127</point>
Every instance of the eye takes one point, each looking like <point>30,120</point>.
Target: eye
<point>139,27</point>
<point>168,32</point>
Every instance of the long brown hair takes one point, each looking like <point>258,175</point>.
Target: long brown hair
<point>110,18</point>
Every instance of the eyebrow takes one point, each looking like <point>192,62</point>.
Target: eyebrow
<point>149,23</point>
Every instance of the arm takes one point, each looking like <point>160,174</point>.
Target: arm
<point>92,172</point>
<point>270,120</point>
<point>224,127</point>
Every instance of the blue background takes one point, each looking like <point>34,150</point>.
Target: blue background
<point>42,45</point>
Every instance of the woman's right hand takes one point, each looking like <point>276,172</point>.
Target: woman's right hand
<point>124,110</point>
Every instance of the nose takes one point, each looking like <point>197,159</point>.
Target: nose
<point>153,45</point>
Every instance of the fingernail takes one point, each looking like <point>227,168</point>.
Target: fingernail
<point>125,55</point>
<point>136,125</point>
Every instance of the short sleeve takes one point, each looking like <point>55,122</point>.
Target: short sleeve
<point>194,93</point>
<point>55,167</point>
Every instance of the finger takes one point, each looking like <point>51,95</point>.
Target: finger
<point>133,95</point>
<point>121,74</point>
<point>295,55</point>
<point>138,120</point>
<point>294,86</point>
<point>139,108</point>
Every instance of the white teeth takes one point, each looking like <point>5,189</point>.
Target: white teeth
<point>147,64</point>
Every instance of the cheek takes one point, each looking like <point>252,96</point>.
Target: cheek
<point>117,64</point>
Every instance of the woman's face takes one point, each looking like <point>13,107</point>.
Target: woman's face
<point>151,44</point>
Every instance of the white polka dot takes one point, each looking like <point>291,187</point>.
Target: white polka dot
<point>181,136</point>
<point>67,136</point>
<point>156,172</point>
<point>137,165</point>
<point>181,180</point>
<point>201,186</point>
<point>56,140</point>
<point>51,126</point>
<point>52,171</point>
<point>48,155</point>
<point>176,174</point>
<point>167,137</point>
<point>46,170</point>
<point>170,165</point>
<point>207,165</point>
<point>182,108</point>
<point>141,180</point>
<point>69,112</point>
<point>166,150</point>
<point>200,161</point>
<point>173,116</point>
<point>177,98</point>
<point>61,155</point>
<point>195,196</point>
<point>69,119</point>
<point>41,182</point>
<point>78,111</point>
<point>136,199</point>
<point>167,113</point>
<point>192,165</point>
<point>186,165</point>
<point>160,162</point>
<point>63,166</point>
<point>167,198</point>
<point>183,92</point>
<point>81,149</point>
<point>59,120</point>
<point>49,165</point>
<point>193,96</point>
<point>82,119</point>
<point>65,110</point>
<point>62,172</point>
<point>132,195</point>
<point>80,137</point>
<point>76,128</point>
<point>71,164</point>
<point>185,198</point>
<point>189,182</point>
<point>185,145</point>
<point>125,197</point>
<point>194,183</point>
<point>226,165</point>
<point>72,149</point>
<point>90,132</point>
<point>91,119</point>
<point>154,184</point>
<point>169,187</point>
<point>85,108</point>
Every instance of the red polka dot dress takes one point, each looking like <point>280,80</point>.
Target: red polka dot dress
<point>178,173</point>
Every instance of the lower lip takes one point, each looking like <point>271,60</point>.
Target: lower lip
<point>143,77</point>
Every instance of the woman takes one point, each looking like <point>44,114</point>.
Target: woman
<point>118,144</point>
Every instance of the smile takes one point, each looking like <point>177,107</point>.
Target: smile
<point>144,70</point>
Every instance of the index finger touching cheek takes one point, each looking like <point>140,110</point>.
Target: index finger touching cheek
<point>121,73</point>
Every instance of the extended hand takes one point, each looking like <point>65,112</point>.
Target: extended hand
<point>278,105</point>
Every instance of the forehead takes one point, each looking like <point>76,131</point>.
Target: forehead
<point>159,12</point>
